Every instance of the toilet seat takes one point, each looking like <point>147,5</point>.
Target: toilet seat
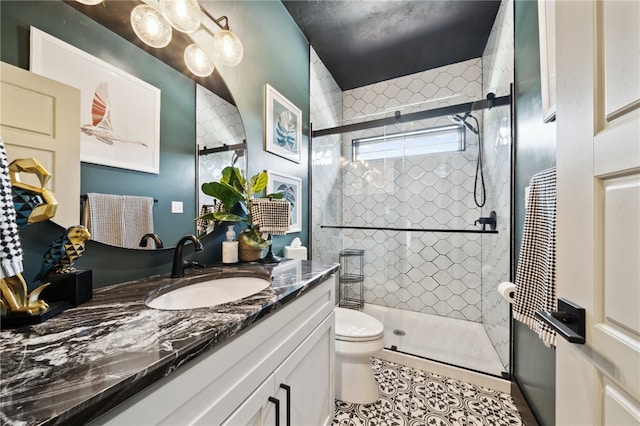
<point>355,326</point>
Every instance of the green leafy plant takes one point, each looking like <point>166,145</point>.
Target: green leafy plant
<point>233,190</point>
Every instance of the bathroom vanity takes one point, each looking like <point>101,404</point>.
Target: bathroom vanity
<point>265,359</point>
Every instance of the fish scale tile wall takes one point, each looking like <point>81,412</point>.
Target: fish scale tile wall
<point>325,111</point>
<point>498,74</point>
<point>424,272</point>
<point>418,271</point>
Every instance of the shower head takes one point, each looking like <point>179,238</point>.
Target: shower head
<point>462,120</point>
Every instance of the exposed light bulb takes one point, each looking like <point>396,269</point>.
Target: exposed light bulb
<point>197,61</point>
<point>228,48</point>
<point>150,26</point>
<point>184,15</point>
<point>90,2</point>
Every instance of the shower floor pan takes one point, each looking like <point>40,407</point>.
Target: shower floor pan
<point>448,340</point>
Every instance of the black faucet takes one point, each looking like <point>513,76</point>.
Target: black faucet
<point>154,237</point>
<point>180,265</point>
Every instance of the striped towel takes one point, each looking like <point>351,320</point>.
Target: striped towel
<point>10,248</point>
<point>271,216</point>
<point>536,274</point>
<point>118,220</point>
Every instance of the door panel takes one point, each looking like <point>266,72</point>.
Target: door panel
<point>598,164</point>
<point>40,118</point>
<point>621,42</point>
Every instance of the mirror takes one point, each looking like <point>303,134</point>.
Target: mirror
<point>218,127</point>
<point>218,132</point>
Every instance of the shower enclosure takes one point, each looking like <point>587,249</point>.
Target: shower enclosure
<point>426,193</point>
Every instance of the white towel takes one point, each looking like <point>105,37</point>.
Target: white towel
<point>10,248</point>
<point>536,273</point>
<point>118,220</point>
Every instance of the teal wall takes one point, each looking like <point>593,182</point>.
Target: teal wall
<point>533,364</point>
<point>177,116</point>
<point>276,52</point>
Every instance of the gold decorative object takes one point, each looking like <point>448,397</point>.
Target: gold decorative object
<point>41,211</point>
<point>14,298</point>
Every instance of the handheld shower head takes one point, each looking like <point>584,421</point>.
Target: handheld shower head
<point>462,119</point>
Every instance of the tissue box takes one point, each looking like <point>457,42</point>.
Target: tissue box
<point>295,252</point>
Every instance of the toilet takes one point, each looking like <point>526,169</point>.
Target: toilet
<point>358,337</point>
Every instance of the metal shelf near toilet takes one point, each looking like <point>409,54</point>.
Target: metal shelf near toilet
<point>351,288</point>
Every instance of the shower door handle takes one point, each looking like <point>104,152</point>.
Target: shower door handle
<point>568,321</point>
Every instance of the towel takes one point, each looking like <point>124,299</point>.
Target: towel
<point>11,254</point>
<point>536,273</point>
<point>271,216</point>
<point>118,220</point>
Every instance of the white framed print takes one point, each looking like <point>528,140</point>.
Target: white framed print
<point>283,126</point>
<point>119,113</point>
<point>292,189</point>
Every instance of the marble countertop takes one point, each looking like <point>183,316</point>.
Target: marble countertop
<point>78,365</point>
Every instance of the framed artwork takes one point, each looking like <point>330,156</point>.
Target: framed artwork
<point>120,114</point>
<point>283,126</point>
<point>292,188</point>
<point>547,38</point>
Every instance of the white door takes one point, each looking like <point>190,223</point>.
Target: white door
<point>40,118</point>
<point>598,229</point>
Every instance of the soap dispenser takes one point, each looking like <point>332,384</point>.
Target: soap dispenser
<point>230,247</point>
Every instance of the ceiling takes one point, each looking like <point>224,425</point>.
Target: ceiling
<point>367,41</point>
<point>360,41</point>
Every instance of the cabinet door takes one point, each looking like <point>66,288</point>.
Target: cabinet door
<point>257,410</point>
<point>308,374</point>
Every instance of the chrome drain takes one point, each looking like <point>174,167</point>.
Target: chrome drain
<point>398,332</point>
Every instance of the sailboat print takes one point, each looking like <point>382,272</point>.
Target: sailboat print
<point>101,127</point>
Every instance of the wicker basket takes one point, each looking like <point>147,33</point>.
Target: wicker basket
<point>246,253</point>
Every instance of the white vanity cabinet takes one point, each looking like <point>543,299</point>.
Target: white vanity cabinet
<point>298,391</point>
<point>242,381</point>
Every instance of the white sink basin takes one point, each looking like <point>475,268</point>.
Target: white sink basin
<point>209,293</point>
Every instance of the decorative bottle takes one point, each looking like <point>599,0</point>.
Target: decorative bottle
<point>230,247</point>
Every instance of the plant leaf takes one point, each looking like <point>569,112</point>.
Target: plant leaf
<point>275,195</point>
<point>233,177</point>
<point>260,182</point>
<point>227,217</point>
<point>223,192</point>
<point>253,238</point>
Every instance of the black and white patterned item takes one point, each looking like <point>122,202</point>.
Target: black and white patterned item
<point>11,255</point>
<point>536,274</point>
<point>271,216</point>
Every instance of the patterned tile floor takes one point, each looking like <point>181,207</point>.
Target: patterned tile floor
<point>410,397</point>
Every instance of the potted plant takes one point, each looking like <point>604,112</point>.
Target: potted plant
<point>233,191</point>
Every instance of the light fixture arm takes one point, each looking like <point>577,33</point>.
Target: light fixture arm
<point>218,21</point>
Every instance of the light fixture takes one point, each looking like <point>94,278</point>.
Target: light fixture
<point>90,2</point>
<point>228,48</point>
<point>153,22</point>
<point>183,15</point>
<point>150,26</point>
<point>197,61</point>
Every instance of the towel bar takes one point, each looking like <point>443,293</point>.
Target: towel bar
<point>568,321</point>
<point>83,197</point>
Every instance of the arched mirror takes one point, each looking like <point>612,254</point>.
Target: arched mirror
<point>219,132</point>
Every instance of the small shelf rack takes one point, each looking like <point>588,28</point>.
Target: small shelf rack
<point>351,291</point>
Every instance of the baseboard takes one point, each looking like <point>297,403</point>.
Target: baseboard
<point>528,418</point>
<point>468,376</point>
